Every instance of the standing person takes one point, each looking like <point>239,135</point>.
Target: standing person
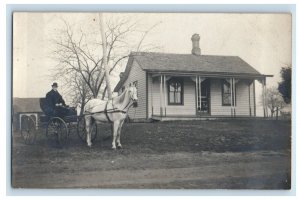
<point>55,104</point>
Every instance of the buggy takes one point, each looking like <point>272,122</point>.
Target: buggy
<point>57,129</point>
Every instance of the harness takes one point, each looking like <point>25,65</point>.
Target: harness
<point>106,111</point>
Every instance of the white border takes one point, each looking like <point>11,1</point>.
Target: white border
<point>5,83</point>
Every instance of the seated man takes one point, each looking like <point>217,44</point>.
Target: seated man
<point>55,104</point>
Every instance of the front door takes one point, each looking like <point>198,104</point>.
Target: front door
<point>204,97</point>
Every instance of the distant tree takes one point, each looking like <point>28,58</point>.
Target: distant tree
<point>274,100</point>
<point>284,86</point>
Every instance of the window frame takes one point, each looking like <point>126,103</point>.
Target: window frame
<point>181,81</point>
<point>222,94</point>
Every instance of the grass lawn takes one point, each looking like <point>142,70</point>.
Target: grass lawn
<point>216,136</point>
<point>184,154</point>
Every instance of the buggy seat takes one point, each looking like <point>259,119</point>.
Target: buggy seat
<point>71,117</point>
<point>44,117</point>
<point>43,104</point>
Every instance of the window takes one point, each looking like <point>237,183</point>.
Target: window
<point>226,94</point>
<point>175,91</point>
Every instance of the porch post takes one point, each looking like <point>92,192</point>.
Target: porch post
<point>254,99</point>
<point>20,122</point>
<point>152,94</point>
<point>234,100</point>
<point>231,96</point>
<point>265,91</point>
<point>264,97</point>
<point>249,94</point>
<point>197,94</point>
<point>200,95</point>
<point>165,95</point>
<point>160,95</point>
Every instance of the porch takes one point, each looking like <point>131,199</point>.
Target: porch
<point>202,97</point>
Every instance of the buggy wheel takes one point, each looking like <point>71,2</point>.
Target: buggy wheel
<point>57,131</point>
<point>28,130</point>
<point>81,131</point>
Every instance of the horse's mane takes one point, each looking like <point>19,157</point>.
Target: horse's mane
<point>121,97</point>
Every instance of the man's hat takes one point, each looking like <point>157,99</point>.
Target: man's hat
<point>54,85</point>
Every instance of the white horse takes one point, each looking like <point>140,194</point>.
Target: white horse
<point>114,110</point>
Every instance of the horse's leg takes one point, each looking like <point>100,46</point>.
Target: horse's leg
<point>115,132</point>
<point>119,134</point>
<point>88,125</point>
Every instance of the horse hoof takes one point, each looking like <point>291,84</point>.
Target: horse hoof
<point>113,148</point>
<point>120,147</point>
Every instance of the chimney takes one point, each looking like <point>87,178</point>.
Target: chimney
<point>121,75</point>
<point>196,49</point>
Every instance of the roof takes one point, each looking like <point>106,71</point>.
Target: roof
<point>21,105</point>
<point>167,62</point>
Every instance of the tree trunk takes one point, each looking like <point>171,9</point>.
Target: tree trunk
<point>82,105</point>
<point>103,95</point>
<point>104,57</point>
<point>272,111</point>
<point>82,109</point>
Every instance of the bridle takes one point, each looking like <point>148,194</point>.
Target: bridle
<point>129,102</point>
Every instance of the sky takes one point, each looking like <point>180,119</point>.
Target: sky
<point>262,40</point>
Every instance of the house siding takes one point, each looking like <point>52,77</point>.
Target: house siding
<point>242,99</point>
<point>137,74</point>
<point>188,107</point>
<point>152,102</point>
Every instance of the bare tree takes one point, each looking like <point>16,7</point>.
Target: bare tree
<point>80,62</point>
<point>79,91</point>
<point>274,100</point>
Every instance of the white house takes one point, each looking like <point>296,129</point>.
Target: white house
<point>188,86</point>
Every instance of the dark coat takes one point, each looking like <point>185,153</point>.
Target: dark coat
<point>53,98</point>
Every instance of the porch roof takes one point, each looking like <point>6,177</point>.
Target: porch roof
<point>213,65</point>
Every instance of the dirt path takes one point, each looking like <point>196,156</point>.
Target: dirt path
<point>205,170</point>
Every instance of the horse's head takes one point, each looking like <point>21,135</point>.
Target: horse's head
<point>133,95</point>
